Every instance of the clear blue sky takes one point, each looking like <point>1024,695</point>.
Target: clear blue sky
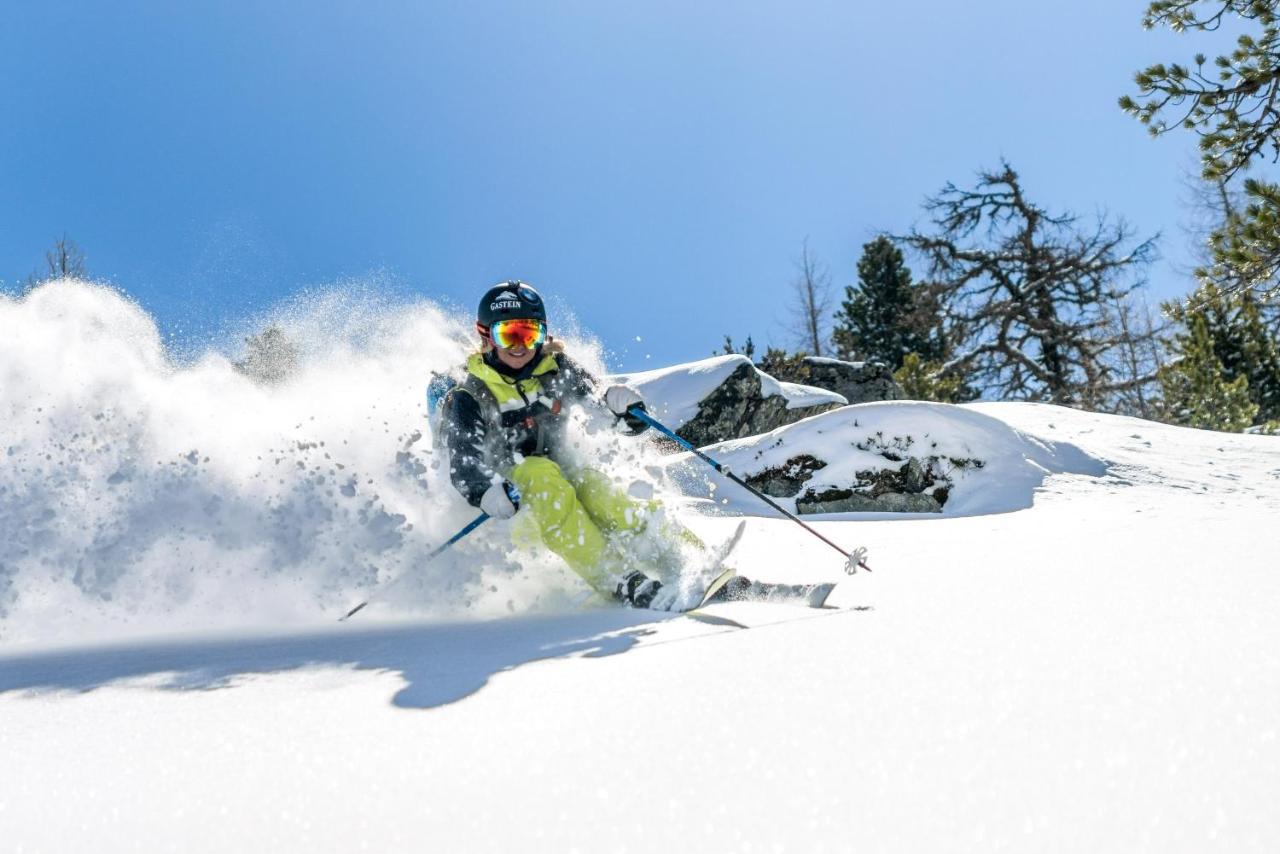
<point>654,165</point>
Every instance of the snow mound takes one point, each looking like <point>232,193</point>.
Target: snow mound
<point>990,466</point>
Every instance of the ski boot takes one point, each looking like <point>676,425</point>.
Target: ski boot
<point>637,589</point>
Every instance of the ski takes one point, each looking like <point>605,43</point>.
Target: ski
<point>739,589</point>
<point>716,587</point>
<point>715,569</point>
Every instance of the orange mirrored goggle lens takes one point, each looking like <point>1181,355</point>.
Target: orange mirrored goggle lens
<point>518,333</point>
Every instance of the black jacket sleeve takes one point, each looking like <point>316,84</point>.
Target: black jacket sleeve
<point>580,384</point>
<point>464,436</point>
<point>575,382</point>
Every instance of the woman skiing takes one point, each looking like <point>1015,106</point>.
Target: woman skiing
<point>506,429</point>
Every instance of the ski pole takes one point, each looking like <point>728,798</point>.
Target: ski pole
<point>853,559</point>
<point>436,552</point>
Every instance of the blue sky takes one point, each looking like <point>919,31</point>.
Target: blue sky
<point>654,165</point>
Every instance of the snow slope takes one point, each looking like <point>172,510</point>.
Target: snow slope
<point>1092,668</point>
<point>1095,673</point>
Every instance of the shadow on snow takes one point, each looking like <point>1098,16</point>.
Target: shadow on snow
<point>441,664</point>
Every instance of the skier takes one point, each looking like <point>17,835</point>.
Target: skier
<point>508,438</point>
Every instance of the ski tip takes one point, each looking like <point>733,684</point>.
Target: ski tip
<point>817,597</point>
<point>715,587</point>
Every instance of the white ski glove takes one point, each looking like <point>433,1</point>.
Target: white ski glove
<point>620,398</point>
<point>501,501</point>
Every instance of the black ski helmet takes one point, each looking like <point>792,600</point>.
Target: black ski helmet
<point>513,300</point>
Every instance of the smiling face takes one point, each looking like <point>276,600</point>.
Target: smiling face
<point>515,357</point>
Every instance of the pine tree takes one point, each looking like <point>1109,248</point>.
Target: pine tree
<point>885,317</point>
<point>1241,342</point>
<point>921,380</point>
<point>788,367</point>
<point>1230,104</point>
<point>1260,356</point>
<point>1197,392</point>
<point>728,348</point>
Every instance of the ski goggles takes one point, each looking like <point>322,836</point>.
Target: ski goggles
<point>509,334</point>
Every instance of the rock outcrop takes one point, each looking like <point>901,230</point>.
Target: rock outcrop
<point>906,484</point>
<point>857,382</point>
<point>741,406</point>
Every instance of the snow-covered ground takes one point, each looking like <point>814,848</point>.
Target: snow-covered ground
<point>1092,669</point>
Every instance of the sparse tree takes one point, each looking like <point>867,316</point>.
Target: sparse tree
<point>728,348</point>
<point>1025,293</point>
<point>63,260</point>
<point>1136,359</point>
<point>811,301</point>
<point>1209,204</point>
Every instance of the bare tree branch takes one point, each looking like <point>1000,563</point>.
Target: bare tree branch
<point>1026,293</point>
<point>811,301</point>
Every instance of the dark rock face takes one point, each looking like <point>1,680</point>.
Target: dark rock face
<point>858,382</point>
<point>786,480</point>
<point>846,501</point>
<point>738,408</point>
<point>906,484</point>
<point>908,488</point>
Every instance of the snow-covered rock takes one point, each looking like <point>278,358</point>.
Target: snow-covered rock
<point>726,397</point>
<point>857,382</point>
<point>891,457</point>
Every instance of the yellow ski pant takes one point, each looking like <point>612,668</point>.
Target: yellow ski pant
<point>575,517</point>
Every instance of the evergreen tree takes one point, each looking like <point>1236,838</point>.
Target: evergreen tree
<point>1230,105</point>
<point>788,367</point>
<point>921,380</point>
<point>1260,355</point>
<point>1197,392</point>
<point>1240,340</point>
<point>885,317</point>
<point>728,348</point>
<point>1245,249</point>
